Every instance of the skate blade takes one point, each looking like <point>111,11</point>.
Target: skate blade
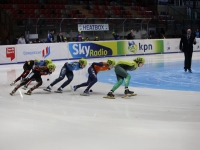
<point>108,97</point>
<point>27,93</point>
<point>46,90</point>
<point>125,96</point>
<point>24,88</point>
<point>72,89</point>
<point>57,92</point>
<point>84,94</point>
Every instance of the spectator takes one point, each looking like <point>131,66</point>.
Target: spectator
<point>197,33</point>
<point>115,36</point>
<point>79,36</point>
<point>130,36</point>
<point>96,38</point>
<point>21,40</point>
<point>86,39</point>
<point>60,37</point>
<point>50,37</point>
<point>65,39</point>
<point>162,34</point>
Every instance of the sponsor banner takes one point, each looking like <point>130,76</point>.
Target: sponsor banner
<point>171,45</point>
<point>93,27</point>
<point>23,52</point>
<point>8,54</point>
<point>92,49</point>
<point>41,51</point>
<point>140,47</point>
<point>197,46</point>
<point>64,51</point>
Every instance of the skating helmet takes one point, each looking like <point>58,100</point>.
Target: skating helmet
<point>48,61</point>
<point>140,60</point>
<point>111,62</point>
<point>83,61</point>
<point>51,66</point>
<point>37,60</point>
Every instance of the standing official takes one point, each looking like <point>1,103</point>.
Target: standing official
<point>130,36</point>
<point>186,46</point>
<point>60,37</point>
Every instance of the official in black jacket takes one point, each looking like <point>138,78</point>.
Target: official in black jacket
<point>186,46</point>
<point>60,37</point>
<point>130,36</point>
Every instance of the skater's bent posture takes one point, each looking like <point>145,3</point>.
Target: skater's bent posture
<point>39,63</point>
<point>38,72</point>
<point>121,69</point>
<point>92,71</point>
<point>67,70</point>
<point>28,66</point>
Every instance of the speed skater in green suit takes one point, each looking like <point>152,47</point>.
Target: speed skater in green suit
<point>121,69</point>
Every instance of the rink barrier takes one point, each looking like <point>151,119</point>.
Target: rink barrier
<point>11,54</point>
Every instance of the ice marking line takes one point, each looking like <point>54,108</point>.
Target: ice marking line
<point>20,93</point>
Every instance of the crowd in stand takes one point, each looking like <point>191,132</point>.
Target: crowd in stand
<point>79,38</point>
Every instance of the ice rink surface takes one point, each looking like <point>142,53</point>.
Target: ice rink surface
<point>165,115</point>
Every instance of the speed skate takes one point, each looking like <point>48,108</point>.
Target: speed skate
<point>47,90</point>
<point>109,97</point>
<point>128,95</point>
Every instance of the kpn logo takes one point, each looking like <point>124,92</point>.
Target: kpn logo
<point>89,50</point>
<point>133,47</point>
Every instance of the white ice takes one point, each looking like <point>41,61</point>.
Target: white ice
<point>152,120</point>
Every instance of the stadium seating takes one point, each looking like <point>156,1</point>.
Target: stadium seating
<point>148,13</point>
<point>97,8</point>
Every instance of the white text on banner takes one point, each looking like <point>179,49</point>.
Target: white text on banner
<point>8,54</point>
<point>93,27</point>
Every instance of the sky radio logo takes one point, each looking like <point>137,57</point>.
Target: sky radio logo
<point>46,52</point>
<point>89,50</point>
